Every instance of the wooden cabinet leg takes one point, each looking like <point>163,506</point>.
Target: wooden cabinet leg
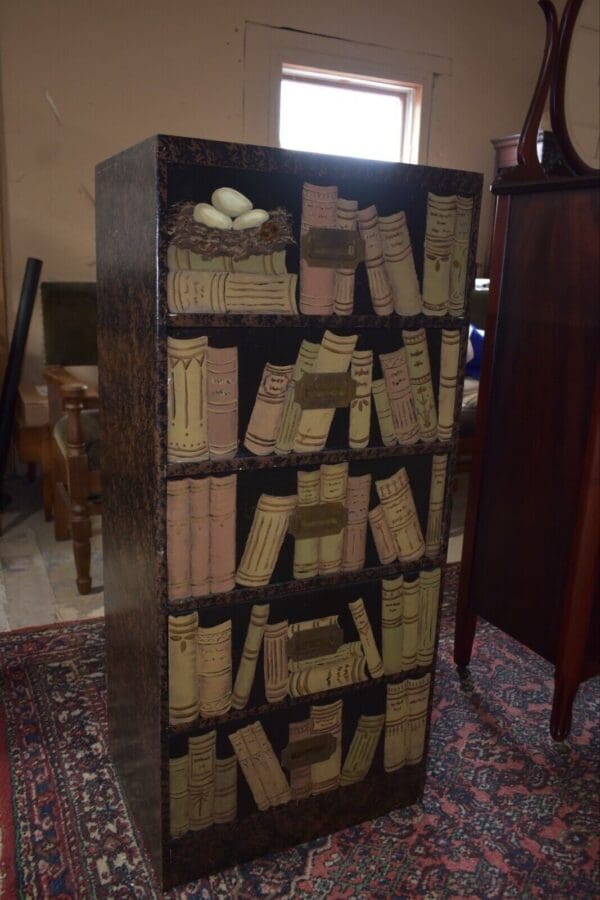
<point>464,635</point>
<point>82,532</point>
<point>562,706</point>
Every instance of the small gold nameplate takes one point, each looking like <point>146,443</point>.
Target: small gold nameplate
<point>317,521</point>
<point>314,642</point>
<point>333,248</point>
<point>307,751</point>
<point>324,390</point>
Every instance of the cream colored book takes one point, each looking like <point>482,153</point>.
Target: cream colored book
<point>387,551</point>
<point>317,283</point>
<point>201,779</point>
<point>307,624</point>
<point>202,264</point>
<point>183,682</point>
<point>222,395</point>
<point>300,778</point>
<point>392,608</point>
<point>334,483</point>
<point>275,661</point>
<point>367,639</point>
<point>187,432</point>
<point>178,539</point>
<point>419,370</point>
<point>439,236</point>
<point>411,603</point>
<point>384,412</point>
<point>265,540</point>
<point>343,652</point>
<point>305,363</point>
<point>343,285</point>
<point>314,679</point>
<point>267,412</point>
<point>396,727</point>
<point>247,754</point>
<point>394,366</point>
<point>433,536</point>
<point>460,255</point>
<point>334,356</point>
<point>417,703</point>
<point>327,719</point>
<point>399,264</point>
<point>199,527</point>
<point>399,506</point>
<point>430,583</point>
<point>278,789</point>
<point>179,796</point>
<point>449,359</point>
<point>361,372</point>
<point>213,666</point>
<point>222,498</point>
<point>262,263</point>
<point>379,283</point>
<point>226,790</point>
<point>355,533</point>
<point>218,293</point>
<point>362,749</point>
<point>306,550</point>
<point>247,667</point>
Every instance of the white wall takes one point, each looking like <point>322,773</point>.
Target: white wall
<point>82,80</point>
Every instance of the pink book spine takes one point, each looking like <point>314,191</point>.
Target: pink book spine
<point>317,284</point>
<point>382,535</point>
<point>178,539</point>
<point>355,533</point>
<point>266,416</point>
<point>222,388</point>
<point>300,777</point>
<point>222,533</point>
<point>199,489</point>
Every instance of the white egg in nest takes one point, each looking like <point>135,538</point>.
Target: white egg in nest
<point>231,202</point>
<point>251,219</point>
<point>207,215</point>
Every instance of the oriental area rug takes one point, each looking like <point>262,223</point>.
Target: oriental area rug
<point>506,813</point>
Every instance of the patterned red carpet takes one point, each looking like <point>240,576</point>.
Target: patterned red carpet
<point>507,813</point>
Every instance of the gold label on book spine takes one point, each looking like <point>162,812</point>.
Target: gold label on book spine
<point>314,642</point>
<point>308,750</point>
<point>324,390</point>
<point>332,248</point>
<point>319,520</point>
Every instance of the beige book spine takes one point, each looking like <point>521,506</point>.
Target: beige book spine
<point>307,624</point>
<point>213,665</point>
<point>173,258</point>
<point>187,431</point>
<point>268,409</point>
<point>347,670</point>
<point>201,779</point>
<point>419,370</point>
<point>197,291</point>
<point>178,539</point>
<point>343,287</point>
<point>433,535</point>
<point>399,506</point>
<point>392,608</point>
<point>247,756</point>
<point>305,363</point>
<point>278,789</point>
<point>226,790</point>
<point>399,264</point>
<point>367,639</point>
<point>183,690</point>
<point>335,354</point>
<point>396,727</point>
<point>199,552</point>
<point>262,264</point>
<point>430,583</point>
<point>325,775</point>
<point>179,796</point>
<point>460,255</point>
<point>449,358</point>
<point>343,652</point>
<point>276,662</point>
<point>379,283</point>
<point>300,780</point>
<point>222,492</point>
<point>417,702</point>
<point>385,544</point>
<point>244,678</point>
<point>265,540</point>
<point>362,749</point>
<point>439,234</point>
<point>334,484</point>
<point>411,597</point>
<point>222,395</point>
<point>317,284</point>
<point>397,384</point>
<point>202,264</point>
<point>384,412</point>
<point>306,550</point>
<point>361,372</point>
<point>355,532</point>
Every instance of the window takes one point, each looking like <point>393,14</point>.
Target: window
<point>348,115</point>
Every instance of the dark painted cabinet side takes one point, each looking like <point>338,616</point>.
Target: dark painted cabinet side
<point>129,368</point>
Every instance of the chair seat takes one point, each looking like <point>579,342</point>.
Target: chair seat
<point>90,422</point>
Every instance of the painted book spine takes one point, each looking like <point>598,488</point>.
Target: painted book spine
<point>222,392</point>
<point>247,667</point>
<point>384,412</point>
<point>201,779</point>
<point>439,236</point>
<point>367,639</point>
<point>178,539</point>
<point>179,815</point>
<point>343,285</point>
<point>317,284</point>
<point>306,550</point>
<point>379,284</point>
<point>183,693</point>
<point>327,719</point>
<point>460,255</point>
<point>417,702</point>
<point>419,371</point>
<point>430,584</point>
<point>267,413</point>
<point>399,506</point>
<point>213,666</point>
<point>385,544</point>
<point>400,264</point>
<point>433,535</point>
<point>187,432</point>
<point>355,532</point>
<point>396,727</point>
<point>362,749</point>
<point>226,790</point>
<point>397,384</point>
<point>411,602</point>
<point>199,525</point>
<point>334,484</point>
<point>222,494</point>
<point>449,358</point>
<point>265,540</point>
<point>361,372</point>
<point>348,670</point>
<point>276,662</point>
<point>392,608</point>
<point>290,419</point>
